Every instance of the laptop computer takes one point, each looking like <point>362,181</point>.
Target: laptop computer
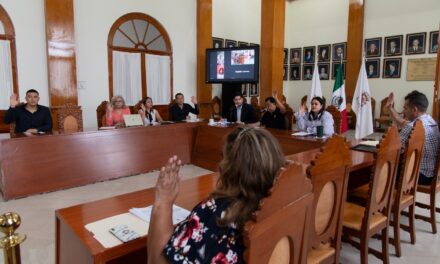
<point>133,120</point>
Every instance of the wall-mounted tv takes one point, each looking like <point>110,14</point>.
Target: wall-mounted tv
<point>238,64</point>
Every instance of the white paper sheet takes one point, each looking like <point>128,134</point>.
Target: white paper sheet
<point>179,213</point>
<point>371,143</point>
<point>301,134</point>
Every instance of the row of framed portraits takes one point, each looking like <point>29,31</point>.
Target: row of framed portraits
<point>391,70</point>
<point>392,46</point>
<point>250,89</point>
<point>218,43</point>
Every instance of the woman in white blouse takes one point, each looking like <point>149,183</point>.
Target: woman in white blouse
<point>149,115</point>
<point>308,121</point>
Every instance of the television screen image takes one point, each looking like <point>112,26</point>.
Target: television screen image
<point>238,64</point>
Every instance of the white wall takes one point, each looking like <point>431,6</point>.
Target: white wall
<point>236,20</point>
<point>315,22</point>
<point>93,20</point>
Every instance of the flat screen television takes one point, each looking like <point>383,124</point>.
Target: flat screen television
<point>238,64</point>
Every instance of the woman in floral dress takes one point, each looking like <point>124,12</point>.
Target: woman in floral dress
<point>212,233</point>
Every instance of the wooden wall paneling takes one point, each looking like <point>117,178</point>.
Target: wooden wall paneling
<point>272,45</point>
<point>61,59</point>
<point>9,35</point>
<point>435,110</point>
<point>355,35</point>
<point>204,41</point>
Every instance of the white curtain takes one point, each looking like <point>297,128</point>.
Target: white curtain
<point>127,77</point>
<point>158,78</point>
<point>6,81</point>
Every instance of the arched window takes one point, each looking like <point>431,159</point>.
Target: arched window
<point>8,60</point>
<point>140,59</point>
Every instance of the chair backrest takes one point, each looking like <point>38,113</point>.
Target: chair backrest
<point>384,112</point>
<point>256,106</point>
<point>216,108</point>
<point>329,176</point>
<point>410,163</point>
<point>135,108</point>
<point>337,118</point>
<point>383,176</point>
<point>69,117</point>
<point>100,113</point>
<point>278,233</point>
<point>12,125</point>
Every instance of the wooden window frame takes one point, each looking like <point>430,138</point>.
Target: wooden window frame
<point>150,20</point>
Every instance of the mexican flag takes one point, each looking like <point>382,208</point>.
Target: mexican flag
<point>338,98</point>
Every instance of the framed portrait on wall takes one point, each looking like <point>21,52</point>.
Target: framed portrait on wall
<point>309,54</point>
<point>391,68</point>
<point>285,56</point>
<point>324,53</point>
<point>217,43</point>
<point>339,51</point>
<point>295,73</point>
<point>335,67</point>
<point>372,67</point>
<point>229,43</point>
<point>254,89</point>
<point>285,73</point>
<point>433,42</point>
<point>308,71</point>
<point>295,56</point>
<point>393,46</point>
<point>373,47</point>
<point>243,44</point>
<point>244,89</point>
<point>415,43</point>
<point>324,71</point>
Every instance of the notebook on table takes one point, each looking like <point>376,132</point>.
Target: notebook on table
<point>368,146</point>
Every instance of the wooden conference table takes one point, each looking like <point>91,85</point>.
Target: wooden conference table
<point>74,244</point>
<point>33,165</point>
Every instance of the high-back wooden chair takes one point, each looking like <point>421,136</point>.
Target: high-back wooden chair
<point>337,118</point>
<point>289,112</point>
<point>384,118</point>
<point>329,176</point>
<point>405,197</point>
<point>69,118</point>
<point>256,106</point>
<point>278,234</point>
<point>216,108</point>
<point>100,113</point>
<point>431,190</point>
<point>365,222</point>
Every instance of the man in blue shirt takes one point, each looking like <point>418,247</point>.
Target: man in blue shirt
<point>29,118</point>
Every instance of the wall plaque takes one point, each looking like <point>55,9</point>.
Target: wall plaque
<point>421,69</point>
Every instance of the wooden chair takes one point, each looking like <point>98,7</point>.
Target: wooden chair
<point>257,107</point>
<point>384,118</point>
<point>289,112</point>
<point>100,113</point>
<point>405,192</point>
<point>432,190</point>
<point>278,233</point>
<point>329,176</point>
<point>216,108</point>
<point>337,118</point>
<point>12,133</point>
<point>69,119</point>
<point>365,222</point>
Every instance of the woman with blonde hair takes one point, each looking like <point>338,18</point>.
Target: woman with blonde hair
<point>212,233</point>
<point>149,115</point>
<point>114,114</point>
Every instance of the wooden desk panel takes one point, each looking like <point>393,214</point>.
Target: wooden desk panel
<point>48,163</point>
<point>75,243</point>
<point>210,140</point>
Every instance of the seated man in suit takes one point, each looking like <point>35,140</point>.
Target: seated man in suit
<point>180,110</point>
<point>29,118</point>
<point>241,112</point>
<point>414,109</point>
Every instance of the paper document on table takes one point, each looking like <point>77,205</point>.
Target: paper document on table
<point>179,213</point>
<point>301,134</point>
<point>371,143</point>
<point>101,228</point>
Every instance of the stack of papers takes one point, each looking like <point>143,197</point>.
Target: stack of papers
<point>302,134</point>
<point>371,143</point>
<point>137,219</point>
